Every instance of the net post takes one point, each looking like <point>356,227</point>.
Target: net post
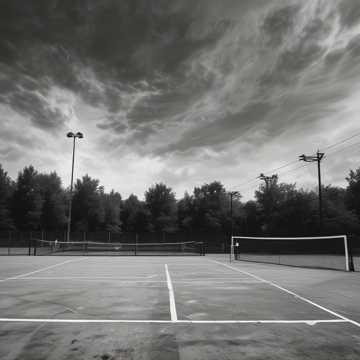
<point>231,247</point>
<point>347,264</point>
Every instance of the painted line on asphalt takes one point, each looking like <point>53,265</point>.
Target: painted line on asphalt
<point>122,278</point>
<point>39,270</point>
<point>124,321</point>
<point>289,292</point>
<point>171,295</point>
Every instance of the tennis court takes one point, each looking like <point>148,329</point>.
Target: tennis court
<point>175,308</point>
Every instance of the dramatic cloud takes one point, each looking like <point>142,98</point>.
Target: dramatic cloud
<point>178,91</point>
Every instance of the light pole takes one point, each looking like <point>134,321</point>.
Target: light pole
<point>318,157</point>
<point>232,194</point>
<point>74,136</point>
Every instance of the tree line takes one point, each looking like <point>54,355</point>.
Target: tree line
<point>39,201</point>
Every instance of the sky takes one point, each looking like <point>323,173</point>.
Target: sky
<point>181,92</point>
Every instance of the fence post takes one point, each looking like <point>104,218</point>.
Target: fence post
<point>30,243</point>
<point>136,241</point>
<point>9,242</point>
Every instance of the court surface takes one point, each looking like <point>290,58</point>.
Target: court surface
<point>175,308</point>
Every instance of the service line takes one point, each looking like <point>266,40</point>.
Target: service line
<point>171,295</point>
<point>39,270</point>
<point>289,292</point>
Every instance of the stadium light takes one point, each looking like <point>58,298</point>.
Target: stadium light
<point>316,158</point>
<point>78,135</point>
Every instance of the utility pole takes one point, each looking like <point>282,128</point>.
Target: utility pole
<point>269,180</point>
<point>316,158</point>
<point>74,136</point>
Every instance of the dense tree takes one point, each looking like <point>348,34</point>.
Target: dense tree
<point>111,204</point>
<point>160,201</point>
<point>353,191</point>
<point>6,191</point>
<point>27,201</point>
<point>185,212</point>
<point>251,224</point>
<point>211,207</point>
<point>38,201</point>
<point>338,219</point>
<point>53,201</point>
<point>87,211</point>
<point>134,215</point>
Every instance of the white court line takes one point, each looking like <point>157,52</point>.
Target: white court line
<point>127,278</point>
<point>114,321</point>
<point>290,292</point>
<point>134,280</point>
<point>39,270</point>
<point>171,295</point>
<point>97,280</point>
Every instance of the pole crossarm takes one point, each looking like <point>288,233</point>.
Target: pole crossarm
<point>312,158</point>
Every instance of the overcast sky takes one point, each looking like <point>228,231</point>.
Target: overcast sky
<point>181,92</point>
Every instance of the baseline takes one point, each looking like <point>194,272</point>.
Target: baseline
<point>289,292</point>
<point>124,321</point>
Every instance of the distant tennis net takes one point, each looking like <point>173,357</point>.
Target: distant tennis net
<point>44,247</point>
<point>330,252</point>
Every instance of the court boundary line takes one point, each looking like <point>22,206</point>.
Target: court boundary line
<point>173,313</point>
<point>130,321</point>
<point>121,278</point>
<point>39,270</point>
<point>271,283</point>
<point>146,279</point>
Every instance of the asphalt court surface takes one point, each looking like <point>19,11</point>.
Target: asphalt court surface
<point>175,308</point>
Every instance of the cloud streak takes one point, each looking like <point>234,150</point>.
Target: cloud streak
<point>177,83</point>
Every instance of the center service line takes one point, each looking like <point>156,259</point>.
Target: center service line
<point>289,292</point>
<point>171,296</point>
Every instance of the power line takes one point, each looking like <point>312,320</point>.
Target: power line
<point>340,142</point>
<point>254,181</point>
<point>297,168</point>
<point>268,171</point>
<point>343,148</point>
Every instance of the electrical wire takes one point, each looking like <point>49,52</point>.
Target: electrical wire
<point>254,181</point>
<point>340,142</point>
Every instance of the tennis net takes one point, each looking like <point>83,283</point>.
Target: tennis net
<point>44,247</point>
<point>329,252</point>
